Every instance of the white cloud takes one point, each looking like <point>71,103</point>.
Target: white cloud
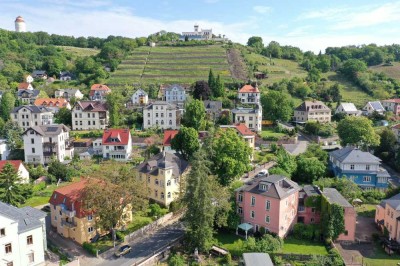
<point>299,31</point>
<point>262,9</point>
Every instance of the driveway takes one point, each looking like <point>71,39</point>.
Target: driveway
<point>250,175</point>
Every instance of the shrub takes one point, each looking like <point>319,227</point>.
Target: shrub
<point>228,259</point>
<point>176,260</point>
<point>156,210</point>
<point>120,235</point>
<point>39,187</point>
<point>89,248</point>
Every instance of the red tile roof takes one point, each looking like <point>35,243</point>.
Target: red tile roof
<point>168,136</point>
<point>99,87</point>
<point>23,86</point>
<point>15,163</point>
<point>396,126</point>
<point>73,197</point>
<point>397,100</point>
<point>244,130</point>
<point>122,135</point>
<point>51,102</point>
<point>249,89</point>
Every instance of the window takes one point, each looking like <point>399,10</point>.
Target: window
<point>240,197</point>
<point>367,167</point>
<point>2,232</point>
<point>312,220</point>
<point>352,166</point>
<point>267,205</point>
<point>169,195</point>
<point>240,210</point>
<point>32,141</point>
<point>313,210</point>
<point>391,215</point>
<point>252,214</point>
<point>267,219</point>
<point>90,217</point>
<point>156,193</point>
<point>366,179</point>
<point>170,122</point>
<point>168,182</point>
<point>156,181</point>
<point>162,195</point>
<point>253,201</point>
<point>8,248</point>
<point>31,257</point>
<point>29,240</point>
<point>90,229</point>
<point>33,150</point>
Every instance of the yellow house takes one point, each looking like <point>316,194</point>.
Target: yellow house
<point>164,174</point>
<point>70,218</point>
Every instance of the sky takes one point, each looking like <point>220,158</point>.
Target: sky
<point>308,24</point>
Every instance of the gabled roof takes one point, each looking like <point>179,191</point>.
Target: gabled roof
<point>38,72</point>
<point>70,197</point>
<point>34,109</point>
<point>241,128</point>
<point>277,186</point>
<point>312,106</point>
<point>249,89</point>
<point>69,91</point>
<point>170,106</point>
<point>15,163</point>
<point>48,130</point>
<point>212,105</point>
<point>53,102</point>
<point>376,105</point>
<point>334,197</point>
<point>140,92</point>
<point>99,87</point>
<point>164,160</point>
<point>168,136</point>
<point>116,137</point>
<point>92,106</point>
<point>354,155</point>
<point>23,86</point>
<point>26,217</point>
<point>174,86</point>
<point>257,259</point>
<point>348,107</point>
<point>393,202</point>
<point>396,100</point>
<point>31,93</point>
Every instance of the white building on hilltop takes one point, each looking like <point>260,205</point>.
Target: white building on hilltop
<point>20,25</point>
<point>196,34</point>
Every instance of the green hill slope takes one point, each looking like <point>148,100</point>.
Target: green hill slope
<point>150,65</point>
<point>392,71</point>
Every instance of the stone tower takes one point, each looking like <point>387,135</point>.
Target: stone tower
<point>20,25</point>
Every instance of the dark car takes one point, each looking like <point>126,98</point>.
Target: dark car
<point>123,250</point>
<point>46,208</point>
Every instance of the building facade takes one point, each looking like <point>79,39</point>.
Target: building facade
<point>164,174</point>
<point>68,94</point>
<point>200,35</point>
<point>270,202</point>
<point>348,108</point>
<point>307,214</point>
<point>392,105</point>
<point>312,111</point>
<point>175,94</point>
<point>117,144</point>
<point>361,167</point>
<point>387,215</point>
<point>161,114</point>
<point>19,167</point>
<point>249,95</point>
<point>371,107</point>
<point>42,143</point>
<point>22,235</point>
<point>30,115</point>
<point>98,92</point>
<point>251,117</point>
<point>88,115</point>
<point>140,97</point>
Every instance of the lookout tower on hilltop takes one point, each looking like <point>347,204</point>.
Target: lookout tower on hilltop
<point>20,25</point>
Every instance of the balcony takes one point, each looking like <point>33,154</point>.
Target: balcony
<point>68,213</point>
<point>68,223</point>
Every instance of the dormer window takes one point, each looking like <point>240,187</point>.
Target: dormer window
<point>263,187</point>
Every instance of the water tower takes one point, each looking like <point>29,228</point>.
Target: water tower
<point>20,25</point>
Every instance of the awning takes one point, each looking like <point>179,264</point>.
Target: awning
<point>245,226</point>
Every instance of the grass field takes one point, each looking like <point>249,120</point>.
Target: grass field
<point>391,71</point>
<point>171,65</point>
<point>270,132</point>
<point>366,210</point>
<point>77,51</point>
<point>297,246</point>
<point>42,197</point>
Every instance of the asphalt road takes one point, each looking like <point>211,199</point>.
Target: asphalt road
<point>147,246</point>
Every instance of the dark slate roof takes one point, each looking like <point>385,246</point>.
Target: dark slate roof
<point>257,259</point>
<point>38,72</point>
<point>394,202</point>
<point>213,105</point>
<point>32,93</point>
<point>311,190</point>
<point>312,105</point>
<point>278,186</point>
<point>164,161</point>
<point>69,91</point>
<point>242,110</point>
<point>354,155</point>
<point>333,196</point>
<point>179,87</point>
<point>27,217</point>
<point>49,130</point>
<point>33,108</point>
<point>170,106</point>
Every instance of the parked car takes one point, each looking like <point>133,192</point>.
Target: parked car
<point>263,172</point>
<point>123,250</point>
<point>46,208</point>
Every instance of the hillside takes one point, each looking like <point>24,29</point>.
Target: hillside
<point>79,52</point>
<point>146,65</point>
<point>392,71</point>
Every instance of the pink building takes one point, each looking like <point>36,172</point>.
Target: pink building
<point>308,215</point>
<point>270,202</point>
<point>387,216</point>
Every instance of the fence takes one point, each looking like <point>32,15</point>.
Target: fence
<point>149,228</point>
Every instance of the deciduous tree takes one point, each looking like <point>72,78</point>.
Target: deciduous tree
<point>11,189</point>
<point>195,115</point>
<point>201,90</point>
<point>358,131</point>
<point>277,106</point>
<point>63,116</point>
<point>7,105</point>
<point>186,142</point>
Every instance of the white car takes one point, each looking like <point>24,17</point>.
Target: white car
<point>263,172</point>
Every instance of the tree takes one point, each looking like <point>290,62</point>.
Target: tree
<point>309,169</point>
<point>194,115</point>
<point>58,170</point>
<point>277,106</point>
<point>274,49</point>
<point>231,157</point>
<point>256,42</point>
<point>7,104</point>
<point>12,132</point>
<point>332,219</point>
<point>201,90</point>
<point>357,131</point>
<point>286,161</point>
<point>115,105</point>
<point>63,116</point>
<point>11,189</point>
<point>218,90</point>
<point>186,142</point>
<point>211,80</point>
<point>315,150</point>
<point>199,216</point>
<point>314,75</point>
<point>351,67</point>
<point>388,141</point>
<point>115,190</point>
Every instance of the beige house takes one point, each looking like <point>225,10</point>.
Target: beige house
<point>387,216</point>
<point>312,111</point>
<point>30,115</point>
<point>88,115</point>
<point>69,217</point>
<point>164,174</point>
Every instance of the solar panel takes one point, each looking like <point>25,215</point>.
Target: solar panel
<point>52,129</point>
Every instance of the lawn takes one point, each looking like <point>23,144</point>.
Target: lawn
<point>296,246</point>
<point>366,210</point>
<point>270,132</point>
<point>391,71</point>
<point>80,52</point>
<point>42,197</point>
